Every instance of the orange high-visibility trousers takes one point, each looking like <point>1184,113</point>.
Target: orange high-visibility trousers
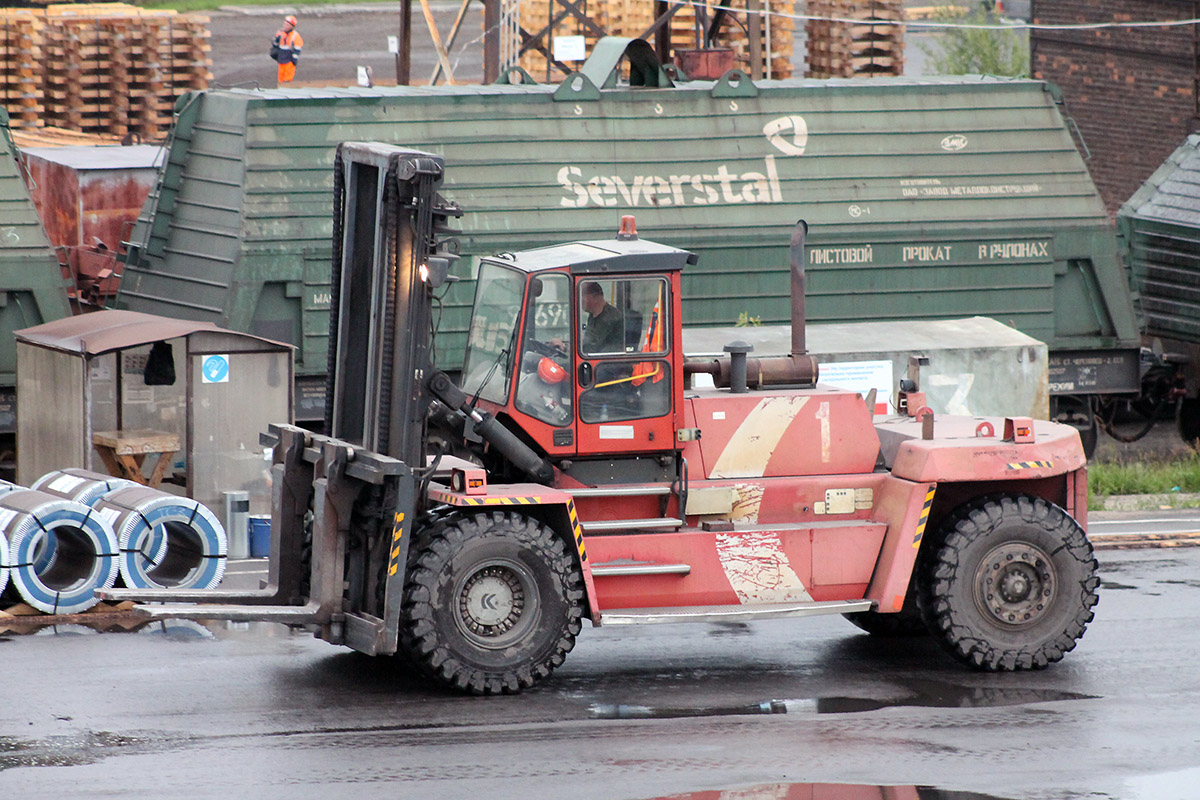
<point>287,72</point>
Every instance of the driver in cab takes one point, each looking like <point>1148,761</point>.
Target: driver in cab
<point>603,330</point>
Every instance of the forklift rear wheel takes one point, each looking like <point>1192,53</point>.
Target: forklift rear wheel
<point>1009,583</point>
<point>492,604</point>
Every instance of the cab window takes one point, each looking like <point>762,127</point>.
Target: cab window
<point>544,383</point>
<point>622,330</point>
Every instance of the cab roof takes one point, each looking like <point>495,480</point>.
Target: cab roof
<point>600,256</point>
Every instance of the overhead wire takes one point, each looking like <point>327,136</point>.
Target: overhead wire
<point>1006,23</point>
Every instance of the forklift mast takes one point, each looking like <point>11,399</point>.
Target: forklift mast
<point>389,220</point>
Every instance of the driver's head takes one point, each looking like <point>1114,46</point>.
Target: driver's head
<point>593,297</point>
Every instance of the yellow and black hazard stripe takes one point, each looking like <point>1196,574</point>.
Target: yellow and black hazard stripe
<point>1031,465</point>
<point>576,530</point>
<point>454,499</point>
<point>397,533</point>
<point>921,523</point>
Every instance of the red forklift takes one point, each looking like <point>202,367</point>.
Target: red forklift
<point>578,470</point>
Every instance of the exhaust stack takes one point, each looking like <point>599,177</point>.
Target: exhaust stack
<point>796,369</point>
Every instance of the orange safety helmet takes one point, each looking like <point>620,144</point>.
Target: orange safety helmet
<point>290,20</point>
<point>550,371</point>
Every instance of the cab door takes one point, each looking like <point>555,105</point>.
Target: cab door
<point>624,364</point>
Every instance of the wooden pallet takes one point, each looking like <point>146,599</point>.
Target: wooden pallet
<point>20,618</point>
<point>104,67</point>
<point>857,38</point>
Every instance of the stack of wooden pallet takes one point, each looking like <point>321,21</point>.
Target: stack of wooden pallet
<point>535,18</point>
<point>856,38</point>
<point>20,57</point>
<point>115,69</point>
<point>633,17</point>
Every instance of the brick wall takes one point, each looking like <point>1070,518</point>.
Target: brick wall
<point>1132,91</point>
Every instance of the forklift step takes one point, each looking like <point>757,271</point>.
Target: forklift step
<point>621,491</point>
<point>656,616</point>
<point>621,525</point>
<point>626,567</point>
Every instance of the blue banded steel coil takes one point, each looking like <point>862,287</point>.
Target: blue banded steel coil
<point>60,552</point>
<point>194,557</point>
<point>87,487</point>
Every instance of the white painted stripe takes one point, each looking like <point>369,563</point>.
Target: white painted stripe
<point>755,440</point>
<point>758,569</point>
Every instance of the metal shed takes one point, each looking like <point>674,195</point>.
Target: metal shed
<point>102,376</point>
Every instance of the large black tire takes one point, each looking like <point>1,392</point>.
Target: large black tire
<point>1008,584</point>
<point>492,604</point>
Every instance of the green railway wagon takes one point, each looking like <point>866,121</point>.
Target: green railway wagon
<point>32,287</point>
<point>1159,227</point>
<point>930,199</point>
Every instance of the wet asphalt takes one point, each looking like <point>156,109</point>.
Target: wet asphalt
<point>746,711</point>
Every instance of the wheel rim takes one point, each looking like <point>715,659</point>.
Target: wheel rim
<point>497,603</point>
<point>1015,584</point>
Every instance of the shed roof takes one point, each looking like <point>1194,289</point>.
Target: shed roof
<point>106,331</point>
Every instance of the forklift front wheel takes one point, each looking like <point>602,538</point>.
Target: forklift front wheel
<point>492,604</point>
<point>1009,583</point>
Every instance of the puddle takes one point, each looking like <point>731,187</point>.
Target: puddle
<point>924,695</point>
<point>830,791</point>
<point>86,747</point>
<point>622,711</point>
<point>1178,785</point>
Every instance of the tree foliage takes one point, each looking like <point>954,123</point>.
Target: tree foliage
<point>995,50</point>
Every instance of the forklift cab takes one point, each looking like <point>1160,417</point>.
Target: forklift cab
<point>577,346</point>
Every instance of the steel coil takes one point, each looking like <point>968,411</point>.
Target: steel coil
<point>80,485</point>
<point>194,556</point>
<point>87,487</point>
<point>60,552</point>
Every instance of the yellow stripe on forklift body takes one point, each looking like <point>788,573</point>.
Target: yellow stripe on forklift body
<point>924,516</point>
<point>1031,465</point>
<point>397,532</point>
<point>578,530</point>
<point>455,499</point>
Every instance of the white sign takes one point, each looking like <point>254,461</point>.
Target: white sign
<point>569,48</point>
<point>394,44</point>
<point>364,76</point>
<point>862,377</point>
<point>215,369</point>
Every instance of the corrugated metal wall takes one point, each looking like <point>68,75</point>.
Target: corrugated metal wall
<point>925,199</point>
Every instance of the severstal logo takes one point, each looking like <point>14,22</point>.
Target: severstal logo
<point>713,184</point>
<point>788,135</point>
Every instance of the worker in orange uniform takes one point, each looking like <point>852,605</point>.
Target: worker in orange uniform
<point>285,49</point>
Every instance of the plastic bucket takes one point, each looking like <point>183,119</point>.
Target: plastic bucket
<point>260,535</point>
